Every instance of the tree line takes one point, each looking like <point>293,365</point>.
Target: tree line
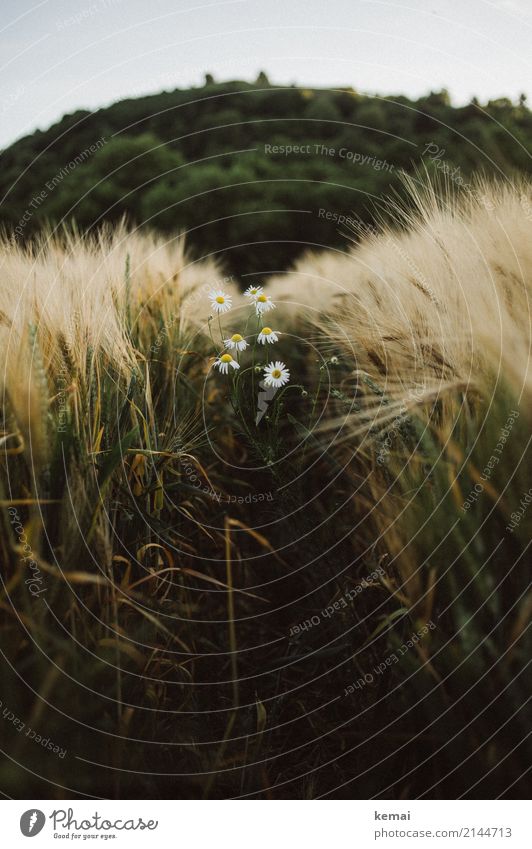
<point>252,172</point>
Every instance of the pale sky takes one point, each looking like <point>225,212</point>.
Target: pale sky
<point>59,55</point>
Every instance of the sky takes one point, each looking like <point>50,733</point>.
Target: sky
<point>58,56</point>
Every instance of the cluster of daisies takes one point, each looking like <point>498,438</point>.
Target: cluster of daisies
<point>275,373</point>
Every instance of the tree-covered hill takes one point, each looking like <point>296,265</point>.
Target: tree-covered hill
<point>253,173</point>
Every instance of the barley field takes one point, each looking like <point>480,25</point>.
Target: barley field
<point>268,537</point>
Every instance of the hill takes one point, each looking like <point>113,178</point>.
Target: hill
<point>253,173</point>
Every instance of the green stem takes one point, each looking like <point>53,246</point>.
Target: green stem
<point>212,338</point>
<point>315,398</point>
<point>221,331</point>
<point>253,357</point>
<point>279,396</point>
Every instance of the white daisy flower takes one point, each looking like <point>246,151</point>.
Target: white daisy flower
<point>236,341</point>
<point>276,374</point>
<point>253,291</point>
<point>220,301</point>
<point>223,363</point>
<point>263,303</point>
<point>268,335</point>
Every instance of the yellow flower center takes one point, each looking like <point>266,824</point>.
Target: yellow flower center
<point>266,331</point>
<point>226,358</point>
<point>220,299</point>
<point>253,291</point>
<point>276,373</point>
<point>236,337</point>
<point>262,299</point>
